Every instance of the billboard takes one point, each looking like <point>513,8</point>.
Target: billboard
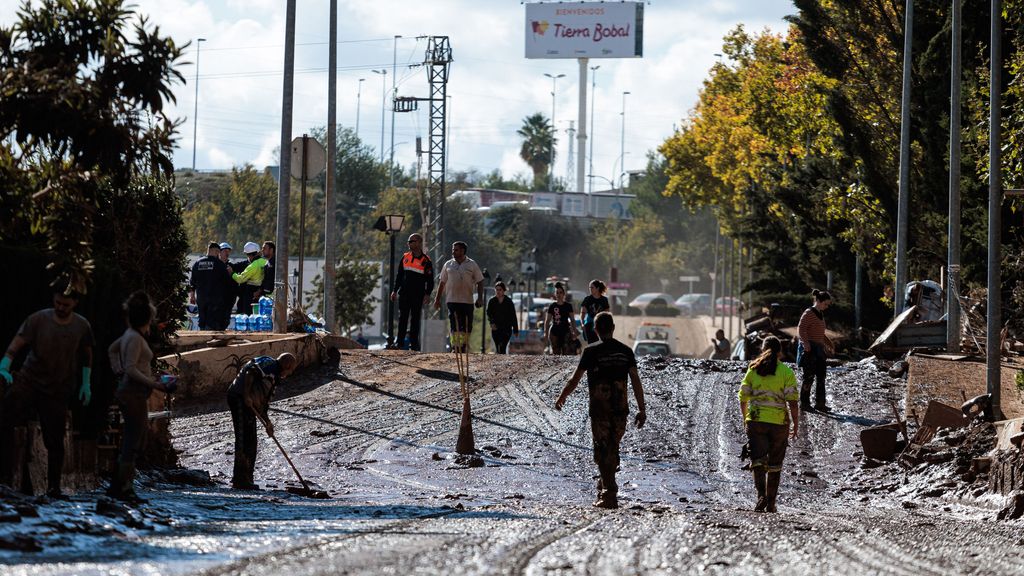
<point>585,30</point>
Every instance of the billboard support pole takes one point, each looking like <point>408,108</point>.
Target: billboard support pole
<point>581,135</point>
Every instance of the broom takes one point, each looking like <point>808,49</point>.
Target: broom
<point>464,444</point>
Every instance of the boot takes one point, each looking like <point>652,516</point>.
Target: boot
<point>772,490</point>
<point>760,484</point>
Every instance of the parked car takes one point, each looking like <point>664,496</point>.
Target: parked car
<point>644,300</point>
<point>728,305</point>
<point>694,304</point>
<point>651,347</point>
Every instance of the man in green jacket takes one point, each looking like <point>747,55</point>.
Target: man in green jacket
<point>250,279</point>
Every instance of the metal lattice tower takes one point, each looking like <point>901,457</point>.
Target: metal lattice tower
<point>438,60</point>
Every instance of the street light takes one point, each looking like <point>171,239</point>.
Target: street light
<point>622,143</point>
<point>359,100</point>
<point>195,113</point>
<point>391,225</point>
<point>593,97</point>
<point>523,303</point>
<point>483,316</point>
<point>394,93</point>
<point>551,167</point>
<point>611,185</point>
<point>383,104</point>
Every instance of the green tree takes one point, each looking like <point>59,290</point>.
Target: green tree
<point>353,293</point>
<point>538,146</point>
<point>83,86</point>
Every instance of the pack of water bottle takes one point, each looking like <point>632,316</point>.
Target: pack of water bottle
<point>252,322</point>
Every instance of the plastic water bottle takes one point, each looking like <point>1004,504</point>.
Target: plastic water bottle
<point>266,324</point>
<point>242,323</point>
<point>231,322</point>
<point>266,306</point>
<point>254,323</point>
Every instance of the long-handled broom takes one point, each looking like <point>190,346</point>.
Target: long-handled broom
<point>464,444</point>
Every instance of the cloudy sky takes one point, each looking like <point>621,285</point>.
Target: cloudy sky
<point>492,85</point>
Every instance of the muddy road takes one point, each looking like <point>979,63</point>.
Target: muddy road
<point>379,433</point>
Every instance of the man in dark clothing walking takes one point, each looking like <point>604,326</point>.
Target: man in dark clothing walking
<point>59,341</point>
<point>249,398</point>
<point>206,288</point>
<point>607,364</point>
<point>413,284</point>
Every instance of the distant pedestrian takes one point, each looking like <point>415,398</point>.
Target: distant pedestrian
<point>767,389</point>
<point>459,276</point>
<point>607,365</point>
<point>722,348</point>
<point>413,284</point>
<point>59,343</point>
<point>207,285</point>
<point>132,362</point>
<point>249,399</point>
<point>594,303</point>
<point>501,314</point>
<point>270,255</point>
<point>560,324</point>
<point>250,279</point>
<point>813,350</point>
<point>230,286</point>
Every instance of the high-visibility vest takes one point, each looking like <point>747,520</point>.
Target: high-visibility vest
<point>414,264</point>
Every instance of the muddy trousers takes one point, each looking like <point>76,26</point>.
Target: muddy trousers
<point>244,423</point>
<point>813,375</point>
<point>135,413</point>
<point>410,311</point>
<point>23,399</point>
<point>768,443</point>
<point>607,435</point>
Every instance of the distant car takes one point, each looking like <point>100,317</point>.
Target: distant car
<point>652,348</point>
<point>694,304</point>
<point>728,305</point>
<point>644,300</point>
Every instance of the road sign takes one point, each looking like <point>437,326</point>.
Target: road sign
<point>528,267</point>
<point>626,285</point>
<point>618,292</point>
<point>689,278</point>
<point>712,275</point>
<point>315,163</point>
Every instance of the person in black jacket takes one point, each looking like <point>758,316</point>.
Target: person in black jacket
<point>269,254</point>
<point>501,313</point>
<point>207,287</point>
<point>413,285</point>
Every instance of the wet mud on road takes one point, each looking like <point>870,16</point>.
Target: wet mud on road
<point>379,432</point>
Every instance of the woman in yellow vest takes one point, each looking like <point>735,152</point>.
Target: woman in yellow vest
<point>767,389</point>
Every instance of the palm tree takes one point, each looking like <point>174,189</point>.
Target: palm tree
<point>538,146</point>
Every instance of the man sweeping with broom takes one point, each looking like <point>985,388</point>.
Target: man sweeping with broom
<point>607,364</point>
<point>249,398</point>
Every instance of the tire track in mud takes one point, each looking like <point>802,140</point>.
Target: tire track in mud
<point>521,563</point>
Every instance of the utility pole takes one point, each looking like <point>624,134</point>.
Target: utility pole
<point>285,179</point>
<point>993,346</point>
<point>570,161</point>
<point>359,101</point>
<point>902,215</point>
<point>330,202</point>
<point>195,112</point>
<point>394,93</point>
<point>593,98</point>
<point>554,129</point>
<point>953,250</point>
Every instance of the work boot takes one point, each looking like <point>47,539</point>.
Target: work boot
<point>772,490</point>
<point>760,484</point>
<point>822,408</point>
<point>608,500</point>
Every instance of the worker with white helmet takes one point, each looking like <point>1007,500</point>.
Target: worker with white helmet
<point>250,279</point>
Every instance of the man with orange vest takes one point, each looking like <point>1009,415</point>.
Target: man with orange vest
<point>413,285</point>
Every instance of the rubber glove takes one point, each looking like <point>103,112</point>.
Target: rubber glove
<point>5,369</point>
<point>85,392</point>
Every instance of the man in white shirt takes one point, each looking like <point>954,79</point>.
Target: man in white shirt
<point>459,276</point>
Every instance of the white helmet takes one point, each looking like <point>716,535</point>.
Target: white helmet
<point>251,247</point>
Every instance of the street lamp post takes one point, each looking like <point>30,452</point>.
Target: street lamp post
<point>359,101</point>
<point>593,97</point>
<point>394,93</point>
<point>622,140</point>
<point>195,111</point>
<point>551,167</point>
<point>483,316</point>
<point>391,225</point>
<point>383,105</point>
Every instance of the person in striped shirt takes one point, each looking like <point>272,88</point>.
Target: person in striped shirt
<point>812,350</point>
<point>767,390</point>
